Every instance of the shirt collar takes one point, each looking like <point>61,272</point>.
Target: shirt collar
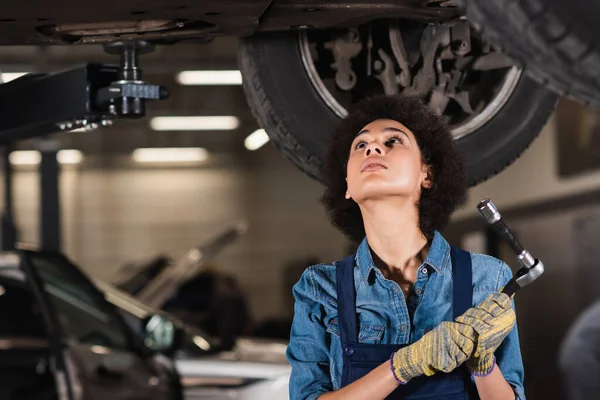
<point>438,257</point>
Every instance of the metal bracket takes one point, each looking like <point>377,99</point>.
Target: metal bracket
<point>344,48</point>
<point>82,97</point>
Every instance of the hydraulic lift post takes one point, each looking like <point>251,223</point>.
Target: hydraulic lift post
<point>49,216</point>
<point>9,231</point>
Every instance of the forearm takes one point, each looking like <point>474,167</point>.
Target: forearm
<point>377,384</point>
<point>494,386</point>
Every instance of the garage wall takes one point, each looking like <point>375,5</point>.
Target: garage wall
<point>115,216</point>
<point>532,178</point>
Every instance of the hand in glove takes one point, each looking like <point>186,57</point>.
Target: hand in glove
<point>442,349</point>
<point>492,320</point>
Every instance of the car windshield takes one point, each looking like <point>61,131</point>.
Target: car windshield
<point>84,316</point>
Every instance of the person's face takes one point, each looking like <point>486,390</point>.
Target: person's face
<point>385,160</point>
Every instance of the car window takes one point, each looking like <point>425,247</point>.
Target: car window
<point>85,317</point>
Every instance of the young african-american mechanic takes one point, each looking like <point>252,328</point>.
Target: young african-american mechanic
<point>407,316</point>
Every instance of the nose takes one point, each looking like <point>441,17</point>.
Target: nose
<point>374,147</point>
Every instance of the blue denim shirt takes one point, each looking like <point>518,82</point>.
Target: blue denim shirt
<point>315,351</point>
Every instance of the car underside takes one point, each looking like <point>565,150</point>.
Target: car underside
<point>80,22</point>
<point>493,69</point>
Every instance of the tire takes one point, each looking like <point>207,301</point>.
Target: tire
<point>557,40</point>
<point>299,123</point>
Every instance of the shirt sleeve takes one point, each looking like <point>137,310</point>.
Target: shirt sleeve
<point>508,355</point>
<point>308,352</point>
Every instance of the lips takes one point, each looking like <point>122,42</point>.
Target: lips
<point>372,164</point>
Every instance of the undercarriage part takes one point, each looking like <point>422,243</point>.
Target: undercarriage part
<point>385,73</point>
<point>127,96</point>
<point>82,97</point>
<point>107,32</point>
<point>344,49</point>
<point>78,22</point>
<point>446,65</point>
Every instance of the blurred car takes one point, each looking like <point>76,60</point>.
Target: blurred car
<point>251,369</point>
<point>60,338</point>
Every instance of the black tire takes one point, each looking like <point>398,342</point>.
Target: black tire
<point>283,100</point>
<point>557,40</point>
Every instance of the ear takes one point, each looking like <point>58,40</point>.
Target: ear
<point>427,182</point>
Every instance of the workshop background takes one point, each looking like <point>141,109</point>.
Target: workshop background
<point>116,210</point>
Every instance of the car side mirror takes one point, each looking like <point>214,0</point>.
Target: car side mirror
<point>160,334</point>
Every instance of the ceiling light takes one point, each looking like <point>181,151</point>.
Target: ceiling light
<point>69,156</point>
<point>232,77</point>
<point>170,154</point>
<point>256,139</point>
<point>25,157</point>
<point>213,123</point>
<point>34,157</point>
<point>6,77</point>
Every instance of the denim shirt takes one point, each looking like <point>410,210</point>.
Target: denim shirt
<point>315,351</point>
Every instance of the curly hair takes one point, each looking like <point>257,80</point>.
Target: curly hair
<point>438,150</point>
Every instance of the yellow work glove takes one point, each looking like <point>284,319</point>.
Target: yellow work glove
<point>492,320</point>
<point>442,349</point>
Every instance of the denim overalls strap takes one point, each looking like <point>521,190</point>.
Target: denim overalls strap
<point>360,358</point>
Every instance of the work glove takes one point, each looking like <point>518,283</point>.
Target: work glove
<point>492,321</point>
<point>442,349</point>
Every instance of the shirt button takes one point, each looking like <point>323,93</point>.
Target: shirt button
<point>403,328</point>
<point>395,289</point>
<point>349,350</point>
<point>424,270</point>
<point>418,291</point>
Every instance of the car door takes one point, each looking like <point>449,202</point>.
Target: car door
<point>109,361</point>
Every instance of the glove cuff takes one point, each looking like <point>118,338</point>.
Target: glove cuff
<point>394,369</point>
<point>481,367</point>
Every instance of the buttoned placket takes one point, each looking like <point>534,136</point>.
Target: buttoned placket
<point>418,288</point>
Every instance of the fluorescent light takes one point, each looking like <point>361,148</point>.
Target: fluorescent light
<point>170,154</point>
<point>232,77</point>
<point>256,139</point>
<point>215,123</point>
<point>34,157</point>
<point>69,156</point>
<point>6,77</point>
<point>25,157</point>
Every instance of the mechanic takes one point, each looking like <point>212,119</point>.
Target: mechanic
<point>579,356</point>
<point>397,319</point>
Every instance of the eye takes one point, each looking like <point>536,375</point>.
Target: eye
<point>393,140</point>
<point>360,145</point>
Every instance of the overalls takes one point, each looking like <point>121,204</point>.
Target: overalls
<point>360,358</point>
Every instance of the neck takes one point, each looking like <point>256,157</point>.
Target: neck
<point>394,236</point>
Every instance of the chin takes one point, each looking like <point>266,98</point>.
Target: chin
<point>382,192</point>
